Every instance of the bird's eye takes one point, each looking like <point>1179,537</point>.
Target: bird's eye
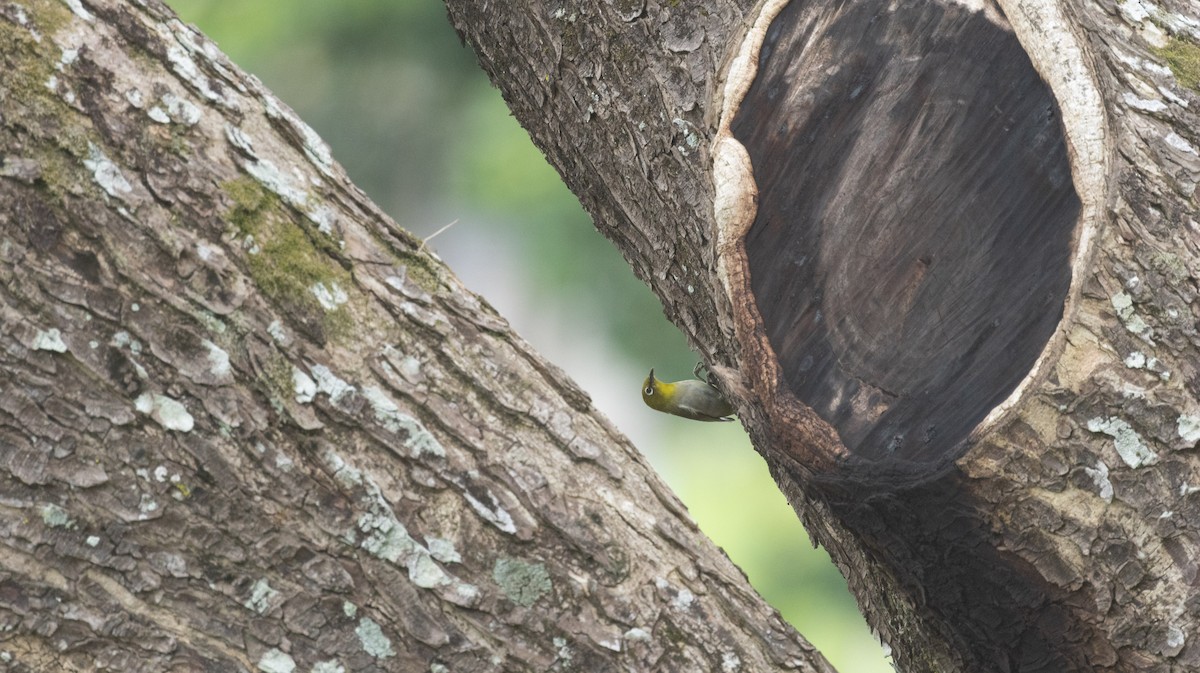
<point>649,390</point>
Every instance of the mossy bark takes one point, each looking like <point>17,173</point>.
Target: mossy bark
<point>248,424</point>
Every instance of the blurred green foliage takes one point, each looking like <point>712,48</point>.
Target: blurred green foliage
<point>416,124</point>
<point>412,118</point>
<point>571,259</point>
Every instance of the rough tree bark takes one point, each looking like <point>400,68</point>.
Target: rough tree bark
<point>944,257</point>
<point>248,423</point>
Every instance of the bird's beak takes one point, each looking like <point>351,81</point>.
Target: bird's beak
<point>652,375</point>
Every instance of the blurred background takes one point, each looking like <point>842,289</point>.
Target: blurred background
<point>417,125</point>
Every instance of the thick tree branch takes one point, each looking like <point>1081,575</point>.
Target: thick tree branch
<point>944,257</point>
<point>247,423</point>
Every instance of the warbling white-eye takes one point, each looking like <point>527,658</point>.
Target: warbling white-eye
<point>694,399</point>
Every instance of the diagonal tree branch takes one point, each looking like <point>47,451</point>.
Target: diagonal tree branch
<point>943,256</point>
<point>247,423</point>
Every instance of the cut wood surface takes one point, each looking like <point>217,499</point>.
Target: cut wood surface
<point>901,314</point>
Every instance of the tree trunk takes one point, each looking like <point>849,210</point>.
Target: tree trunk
<point>248,423</point>
<point>944,258</point>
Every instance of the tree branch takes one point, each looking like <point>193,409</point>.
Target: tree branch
<point>249,424</point>
<point>942,256</point>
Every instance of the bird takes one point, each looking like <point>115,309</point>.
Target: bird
<point>694,399</point>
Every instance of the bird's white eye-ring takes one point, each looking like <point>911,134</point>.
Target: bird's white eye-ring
<point>649,390</point>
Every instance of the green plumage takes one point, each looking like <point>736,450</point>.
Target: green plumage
<point>692,399</point>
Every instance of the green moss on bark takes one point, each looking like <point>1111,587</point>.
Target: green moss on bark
<point>284,261</point>
<point>1183,58</point>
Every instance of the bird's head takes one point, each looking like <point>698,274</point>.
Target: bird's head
<point>657,394</point>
